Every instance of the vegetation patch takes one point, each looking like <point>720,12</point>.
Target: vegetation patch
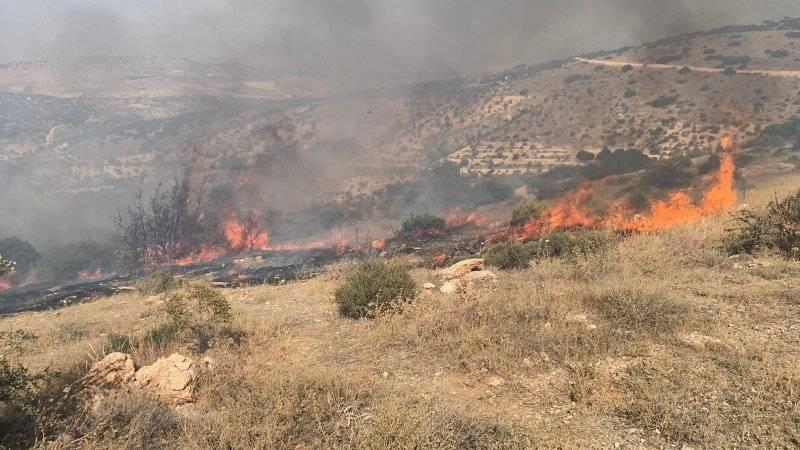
<point>373,287</point>
<point>157,283</point>
<point>777,228</point>
<point>639,309</point>
<point>423,225</point>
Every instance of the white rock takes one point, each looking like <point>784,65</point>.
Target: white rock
<point>171,379</point>
<point>495,381</point>
<point>429,286</point>
<point>461,268</point>
<point>114,370</point>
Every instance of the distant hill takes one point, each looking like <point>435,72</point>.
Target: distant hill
<point>86,131</point>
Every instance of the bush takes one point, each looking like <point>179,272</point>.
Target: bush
<point>203,312</point>
<point>568,244</point>
<point>6,266</point>
<point>373,287</point>
<point>157,283</point>
<point>526,211</point>
<point>664,101</point>
<point>508,255</point>
<point>19,390</point>
<point>423,225</point>
<point>777,228</point>
<point>639,309</point>
<point>22,253</point>
<point>668,174</point>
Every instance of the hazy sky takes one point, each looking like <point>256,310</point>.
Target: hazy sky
<point>373,37</point>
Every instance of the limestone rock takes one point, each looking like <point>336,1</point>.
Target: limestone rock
<point>495,381</point>
<point>461,268</point>
<point>428,286</point>
<point>115,369</point>
<point>479,276</point>
<point>450,287</point>
<point>170,379</point>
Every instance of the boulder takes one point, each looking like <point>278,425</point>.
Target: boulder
<point>114,370</point>
<point>479,276</point>
<point>450,287</point>
<point>699,341</point>
<point>461,268</point>
<point>428,286</point>
<point>170,379</point>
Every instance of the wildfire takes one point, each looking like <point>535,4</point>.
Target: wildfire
<point>86,275</point>
<point>378,244</point>
<point>440,259</point>
<point>245,236</point>
<point>5,284</point>
<point>570,211</point>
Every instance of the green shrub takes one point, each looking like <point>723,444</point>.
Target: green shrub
<point>196,305</point>
<point>19,412</point>
<point>508,255</point>
<point>568,244</point>
<point>777,228</point>
<point>423,225</point>
<point>157,282</point>
<point>203,313</point>
<point>526,211</point>
<point>372,287</point>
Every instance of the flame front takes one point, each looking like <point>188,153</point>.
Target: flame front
<point>570,211</point>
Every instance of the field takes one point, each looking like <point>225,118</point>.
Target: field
<point>663,341</point>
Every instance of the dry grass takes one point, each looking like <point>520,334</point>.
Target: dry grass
<point>661,340</point>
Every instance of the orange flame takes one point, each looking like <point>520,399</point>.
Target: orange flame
<point>86,275</point>
<point>569,212</point>
<point>5,284</point>
<point>245,236</point>
<point>378,244</point>
<point>440,259</point>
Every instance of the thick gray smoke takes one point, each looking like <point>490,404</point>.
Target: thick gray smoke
<point>353,42</point>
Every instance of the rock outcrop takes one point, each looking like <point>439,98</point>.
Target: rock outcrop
<point>116,369</point>
<point>170,379</point>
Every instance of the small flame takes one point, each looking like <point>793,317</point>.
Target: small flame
<point>5,284</point>
<point>378,244</point>
<point>440,259</point>
<point>87,275</point>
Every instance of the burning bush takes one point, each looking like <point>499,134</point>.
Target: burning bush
<point>526,211</point>
<point>423,225</point>
<point>164,228</point>
<point>373,287</point>
<point>777,228</point>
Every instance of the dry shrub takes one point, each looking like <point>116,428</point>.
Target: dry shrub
<point>288,409</point>
<point>639,309</point>
<point>373,287</point>
<point>323,408</point>
<point>692,401</point>
<point>128,420</point>
<point>496,330</point>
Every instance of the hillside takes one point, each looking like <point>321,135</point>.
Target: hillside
<point>86,131</point>
<point>663,341</point>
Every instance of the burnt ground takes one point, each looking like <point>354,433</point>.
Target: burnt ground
<point>274,267</point>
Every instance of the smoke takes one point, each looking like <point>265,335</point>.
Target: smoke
<point>352,42</point>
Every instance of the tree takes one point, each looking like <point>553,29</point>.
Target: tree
<point>170,225</point>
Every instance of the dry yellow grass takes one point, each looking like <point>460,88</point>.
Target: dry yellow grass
<point>663,340</point>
